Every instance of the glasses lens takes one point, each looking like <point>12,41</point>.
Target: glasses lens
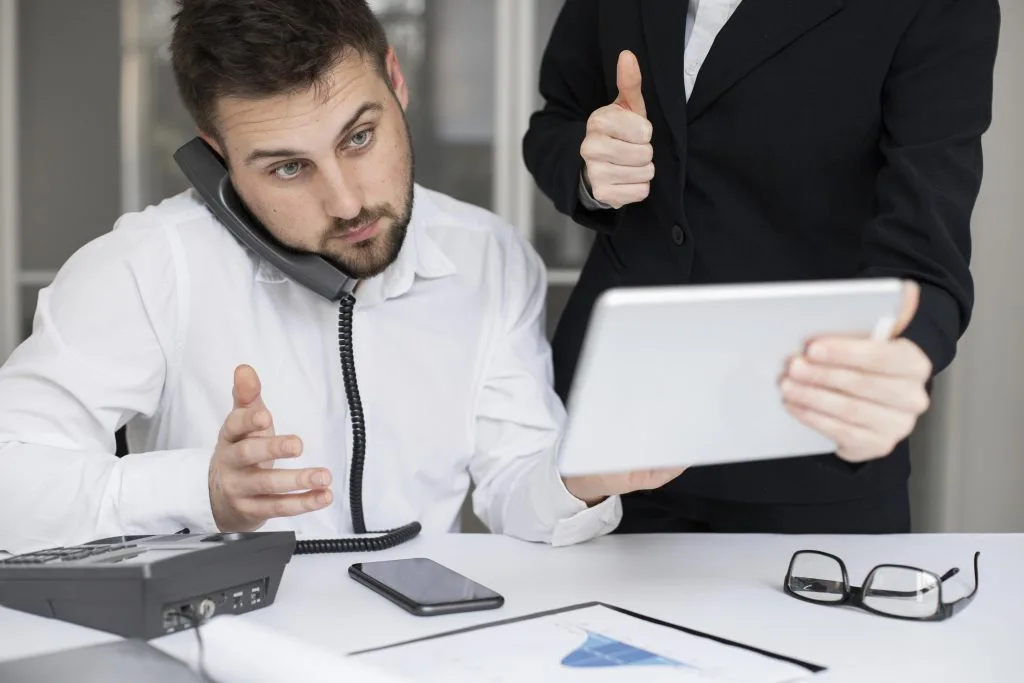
<point>902,592</point>
<point>817,577</point>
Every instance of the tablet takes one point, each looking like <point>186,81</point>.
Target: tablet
<point>686,375</point>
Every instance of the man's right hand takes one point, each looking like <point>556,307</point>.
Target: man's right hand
<point>245,489</point>
<point>617,150</point>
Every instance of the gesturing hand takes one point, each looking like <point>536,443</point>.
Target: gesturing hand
<point>245,489</point>
<point>864,394</point>
<point>617,150</point>
<point>595,488</point>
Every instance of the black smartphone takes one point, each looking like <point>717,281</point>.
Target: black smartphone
<point>424,587</point>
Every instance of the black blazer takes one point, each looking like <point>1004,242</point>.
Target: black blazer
<point>823,139</point>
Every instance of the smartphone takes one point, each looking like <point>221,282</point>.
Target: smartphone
<point>423,587</point>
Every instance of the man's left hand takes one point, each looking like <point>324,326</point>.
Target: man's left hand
<point>593,489</point>
<point>864,394</point>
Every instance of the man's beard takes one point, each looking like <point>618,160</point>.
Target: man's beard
<point>370,257</point>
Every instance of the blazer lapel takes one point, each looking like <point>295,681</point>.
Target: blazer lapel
<point>665,31</point>
<point>757,30</point>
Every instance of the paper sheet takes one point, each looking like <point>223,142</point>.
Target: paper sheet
<point>236,650</point>
<point>593,644</point>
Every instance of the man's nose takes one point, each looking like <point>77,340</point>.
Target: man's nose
<point>342,198</point>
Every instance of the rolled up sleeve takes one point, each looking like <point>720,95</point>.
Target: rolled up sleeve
<point>97,358</point>
<point>519,422</point>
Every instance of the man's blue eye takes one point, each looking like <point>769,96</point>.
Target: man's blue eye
<point>289,170</point>
<point>361,139</point>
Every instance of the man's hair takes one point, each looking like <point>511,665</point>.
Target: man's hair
<point>262,48</point>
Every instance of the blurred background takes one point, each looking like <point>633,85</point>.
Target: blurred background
<point>89,118</point>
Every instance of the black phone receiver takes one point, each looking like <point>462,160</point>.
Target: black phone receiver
<point>206,172</point>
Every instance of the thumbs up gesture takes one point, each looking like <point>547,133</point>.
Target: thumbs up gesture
<point>864,394</point>
<point>617,151</point>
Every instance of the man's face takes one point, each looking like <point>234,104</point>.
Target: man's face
<point>327,170</point>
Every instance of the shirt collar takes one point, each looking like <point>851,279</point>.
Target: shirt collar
<point>420,256</point>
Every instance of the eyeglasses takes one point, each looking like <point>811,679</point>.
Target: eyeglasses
<point>891,590</point>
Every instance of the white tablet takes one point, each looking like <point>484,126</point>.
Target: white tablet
<point>688,375</point>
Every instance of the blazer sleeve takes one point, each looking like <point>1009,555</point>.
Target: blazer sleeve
<point>572,85</point>
<point>936,104</point>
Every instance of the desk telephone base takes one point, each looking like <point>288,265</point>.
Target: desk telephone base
<point>148,586</point>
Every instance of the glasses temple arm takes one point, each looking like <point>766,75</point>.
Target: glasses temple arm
<point>960,603</point>
<point>818,585</point>
<point>950,574</point>
<point>827,586</point>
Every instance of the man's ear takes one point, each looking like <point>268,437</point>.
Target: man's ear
<point>396,78</point>
<point>212,142</point>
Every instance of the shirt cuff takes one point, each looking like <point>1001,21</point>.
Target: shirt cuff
<point>165,491</point>
<point>587,198</point>
<point>570,519</point>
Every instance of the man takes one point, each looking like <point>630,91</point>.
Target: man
<point>221,366</point>
<point>761,140</point>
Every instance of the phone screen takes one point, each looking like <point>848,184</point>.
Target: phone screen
<point>424,581</point>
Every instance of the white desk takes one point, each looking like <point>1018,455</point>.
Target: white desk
<point>726,585</point>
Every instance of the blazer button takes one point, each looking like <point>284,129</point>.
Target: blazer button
<point>678,236</point>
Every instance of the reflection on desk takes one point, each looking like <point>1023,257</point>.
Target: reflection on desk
<point>727,585</point>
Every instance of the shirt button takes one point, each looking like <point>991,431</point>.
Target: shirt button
<point>678,236</point>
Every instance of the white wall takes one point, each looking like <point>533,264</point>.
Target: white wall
<point>969,459</point>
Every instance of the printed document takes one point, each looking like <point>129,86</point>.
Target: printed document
<point>590,643</point>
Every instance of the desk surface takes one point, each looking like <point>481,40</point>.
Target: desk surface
<point>729,585</point>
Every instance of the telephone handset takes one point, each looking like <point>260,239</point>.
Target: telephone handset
<point>206,172</point>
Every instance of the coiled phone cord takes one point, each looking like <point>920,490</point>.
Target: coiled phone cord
<point>385,539</point>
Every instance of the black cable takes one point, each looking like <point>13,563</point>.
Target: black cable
<point>355,406</point>
<point>196,622</point>
<point>385,539</point>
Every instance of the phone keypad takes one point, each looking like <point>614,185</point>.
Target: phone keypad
<point>56,555</point>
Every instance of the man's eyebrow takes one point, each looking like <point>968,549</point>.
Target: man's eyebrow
<point>258,154</point>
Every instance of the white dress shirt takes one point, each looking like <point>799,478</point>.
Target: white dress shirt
<point>145,326</point>
<point>704,21</point>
